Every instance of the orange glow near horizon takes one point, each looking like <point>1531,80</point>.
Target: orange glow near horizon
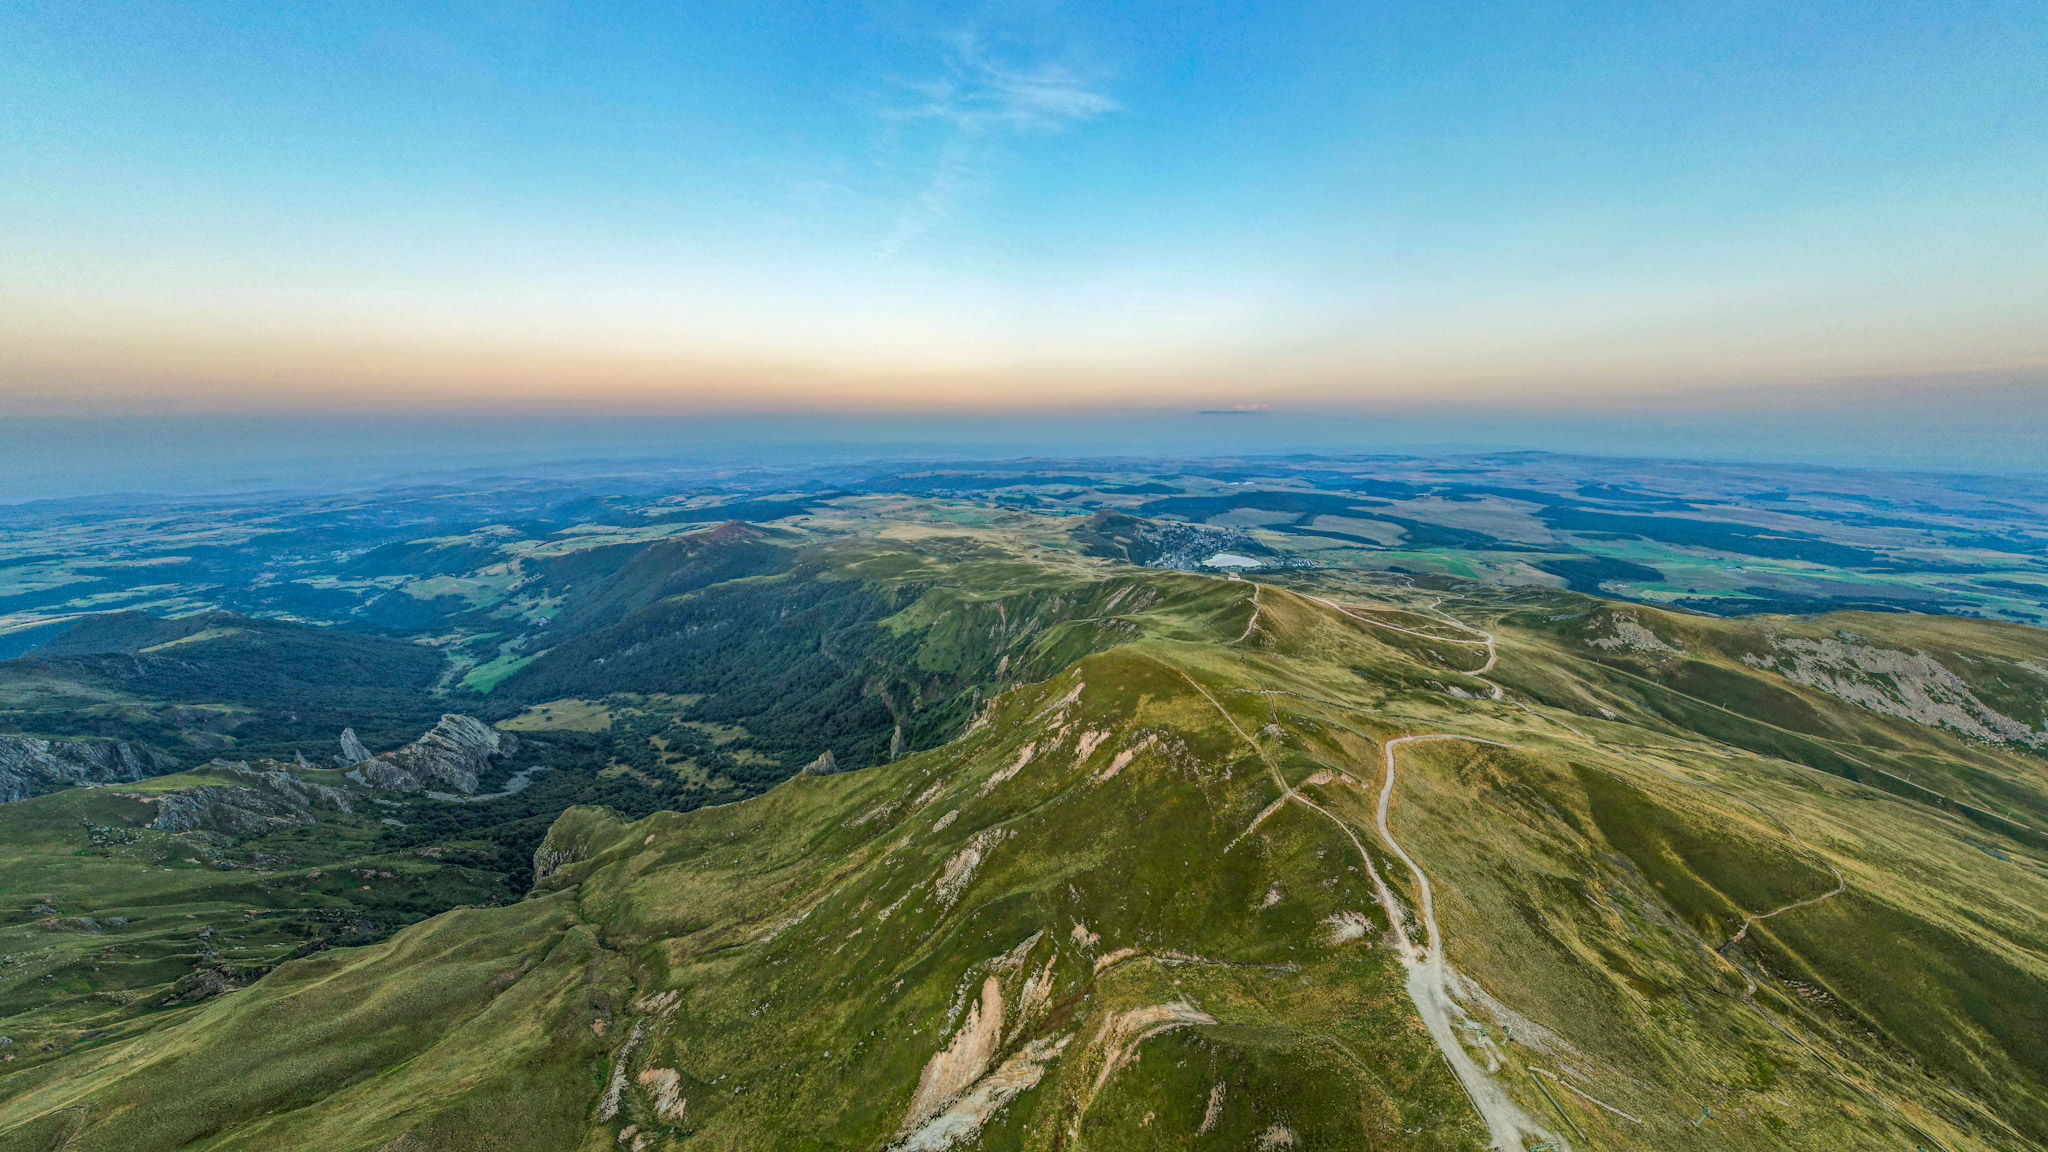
<point>625,208</point>
<point>108,360</point>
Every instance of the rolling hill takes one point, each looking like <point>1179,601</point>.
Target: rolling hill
<point>1160,861</point>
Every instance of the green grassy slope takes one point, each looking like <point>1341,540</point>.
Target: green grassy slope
<point>114,927</point>
<point>1133,907</point>
<point>1723,679</point>
<point>857,649</point>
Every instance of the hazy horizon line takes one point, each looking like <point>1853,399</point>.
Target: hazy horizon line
<point>214,454</point>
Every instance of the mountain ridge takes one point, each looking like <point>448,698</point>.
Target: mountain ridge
<point>1176,893</point>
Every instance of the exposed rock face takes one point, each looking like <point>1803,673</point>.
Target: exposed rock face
<point>201,984</point>
<point>352,750</point>
<point>665,1085</point>
<point>270,800</point>
<point>548,859</point>
<point>1632,635</point>
<point>959,1064</point>
<point>960,868</point>
<point>294,788</point>
<point>27,762</point>
<point>1910,685</point>
<point>451,756</point>
<point>824,765</point>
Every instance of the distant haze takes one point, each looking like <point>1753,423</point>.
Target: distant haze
<point>1993,429</point>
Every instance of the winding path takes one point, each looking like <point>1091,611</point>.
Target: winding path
<point>1428,982</point>
<point>1432,958</point>
<point>1485,639</point>
<point>1433,939</point>
<point>1841,886</point>
<point>1492,656</point>
<point>1749,920</point>
<point>1254,621</point>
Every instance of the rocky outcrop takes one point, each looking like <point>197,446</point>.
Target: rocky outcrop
<point>1909,685</point>
<point>452,756</point>
<point>549,859</point>
<point>352,750</point>
<point>293,788</point>
<point>29,764</point>
<point>824,765</point>
<point>952,1069</point>
<point>576,838</point>
<point>201,984</point>
<point>270,799</point>
<point>1632,635</point>
<point>224,808</point>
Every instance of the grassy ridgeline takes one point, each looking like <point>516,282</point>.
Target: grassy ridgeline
<point>1180,962</point>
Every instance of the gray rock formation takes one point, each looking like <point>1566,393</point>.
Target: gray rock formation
<point>823,766</point>
<point>226,808</point>
<point>200,984</point>
<point>352,750</point>
<point>293,788</point>
<point>1910,685</point>
<point>28,764</point>
<point>270,799</point>
<point>452,756</point>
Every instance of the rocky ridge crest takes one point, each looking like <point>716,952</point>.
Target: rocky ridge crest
<point>27,762</point>
<point>452,755</point>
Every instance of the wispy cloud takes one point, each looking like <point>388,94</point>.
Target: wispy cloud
<point>980,102</point>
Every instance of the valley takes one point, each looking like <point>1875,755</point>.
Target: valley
<point>856,822</point>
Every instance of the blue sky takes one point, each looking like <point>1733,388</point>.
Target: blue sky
<point>788,207</point>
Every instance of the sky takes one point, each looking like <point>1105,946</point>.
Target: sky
<point>1315,216</point>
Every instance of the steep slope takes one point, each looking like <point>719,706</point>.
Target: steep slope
<point>29,765</point>
<point>1944,710</point>
<point>863,650</point>
<point>1273,871</point>
<point>126,905</point>
<point>658,571</point>
<point>214,683</point>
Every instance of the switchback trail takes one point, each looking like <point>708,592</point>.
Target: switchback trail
<point>1484,638</point>
<point>1254,622</point>
<point>1499,693</point>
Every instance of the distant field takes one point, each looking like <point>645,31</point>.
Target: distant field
<point>566,715</point>
<point>463,566</point>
